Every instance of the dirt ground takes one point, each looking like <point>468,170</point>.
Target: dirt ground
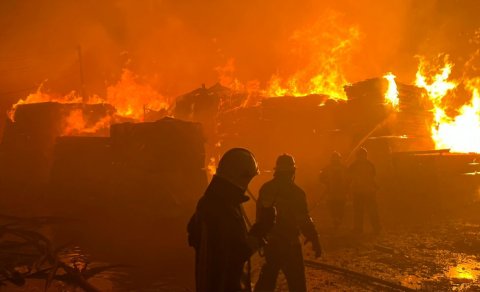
<point>445,257</point>
<point>434,254</point>
<point>413,252</point>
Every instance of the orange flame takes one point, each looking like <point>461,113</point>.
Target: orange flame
<point>391,95</point>
<point>226,76</point>
<point>437,85</point>
<point>128,96</point>
<point>460,133</point>
<point>327,45</point>
<point>76,124</point>
<point>131,98</point>
<point>321,51</point>
<point>40,96</point>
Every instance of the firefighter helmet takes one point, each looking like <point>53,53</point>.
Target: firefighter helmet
<point>285,162</point>
<point>238,162</point>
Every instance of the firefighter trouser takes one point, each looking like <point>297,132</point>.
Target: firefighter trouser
<point>285,256</point>
<point>364,203</point>
<point>336,208</point>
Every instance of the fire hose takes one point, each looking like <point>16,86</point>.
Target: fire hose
<point>358,276</point>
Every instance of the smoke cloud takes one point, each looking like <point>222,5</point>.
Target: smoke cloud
<point>176,45</point>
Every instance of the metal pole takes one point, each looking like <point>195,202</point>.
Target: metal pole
<point>82,79</point>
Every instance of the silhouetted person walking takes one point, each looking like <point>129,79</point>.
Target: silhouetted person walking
<point>334,177</point>
<point>283,250</point>
<point>218,231</point>
<point>364,188</point>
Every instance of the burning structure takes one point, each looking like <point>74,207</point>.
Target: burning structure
<point>38,149</point>
<point>59,140</point>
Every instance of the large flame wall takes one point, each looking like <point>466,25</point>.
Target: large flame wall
<point>179,45</point>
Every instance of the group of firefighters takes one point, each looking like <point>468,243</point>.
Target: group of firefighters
<point>224,240</point>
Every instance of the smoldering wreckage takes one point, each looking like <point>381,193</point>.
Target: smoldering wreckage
<point>131,186</point>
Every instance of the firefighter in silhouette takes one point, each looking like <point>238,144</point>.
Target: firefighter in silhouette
<point>283,250</point>
<point>364,188</point>
<point>334,177</point>
<point>218,231</point>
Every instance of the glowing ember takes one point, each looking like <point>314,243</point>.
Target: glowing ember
<point>391,95</point>
<point>212,167</point>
